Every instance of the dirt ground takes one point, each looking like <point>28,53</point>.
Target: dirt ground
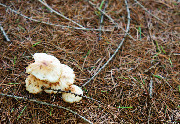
<point>141,84</point>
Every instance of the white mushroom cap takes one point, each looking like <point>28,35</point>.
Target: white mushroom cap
<point>47,71</point>
<point>46,67</point>
<point>38,57</point>
<point>67,75</point>
<point>68,97</point>
<point>66,79</point>
<point>34,85</point>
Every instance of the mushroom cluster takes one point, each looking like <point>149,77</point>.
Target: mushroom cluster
<point>48,74</point>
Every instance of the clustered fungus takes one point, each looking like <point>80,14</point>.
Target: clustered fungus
<point>48,74</point>
<point>68,97</point>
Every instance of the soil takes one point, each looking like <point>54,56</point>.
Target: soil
<point>141,84</point>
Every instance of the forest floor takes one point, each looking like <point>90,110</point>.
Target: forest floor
<point>141,84</point>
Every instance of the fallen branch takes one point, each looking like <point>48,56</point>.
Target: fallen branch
<point>150,13</point>
<point>45,103</point>
<point>119,46</point>
<point>4,33</point>
<point>46,23</point>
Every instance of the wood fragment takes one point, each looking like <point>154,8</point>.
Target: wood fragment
<point>150,88</point>
<point>45,103</point>
<point>4,33</point>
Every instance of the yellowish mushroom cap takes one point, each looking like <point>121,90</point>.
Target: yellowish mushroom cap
<point>68,97</point>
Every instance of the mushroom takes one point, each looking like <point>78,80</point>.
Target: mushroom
<point>66,79</point>
<point>69,97</point>
<point>43,56</point>
<point>34,85</point>
<point>47,71</point>
<point>46,67</point>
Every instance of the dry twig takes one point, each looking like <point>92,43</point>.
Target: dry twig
<point>150,87</point>
<point>4,33</point>
<point>109,17</point>
<point>119,46</point>
<point>58,13</point>
<point>46,23</point>
<point>45,103</point>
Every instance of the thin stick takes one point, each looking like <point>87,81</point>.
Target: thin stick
<point>150,87</point>
<point>109,17</point>
<point>151,13</point>
<point>119,46</point>
<point>45,103</point>
<point>46,23</point>
<point>101,19</point>
<point>62,91</point>
<point>4,33</point>
<point>149,116</point>
<point>58,13</point>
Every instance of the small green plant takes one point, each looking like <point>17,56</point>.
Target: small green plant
<point>166,109</point>
<point>174,3</point>
<point>86,91</point>
<point>124,107</point>
<point>100,7</point>
<point>144,82</point>
<point>21,27</point>
<point>21,113</point>
<point>157,47</point>
<point>14,61</point>
<point>50,113</point>
<point>36,44</point>
<point>12,110</point>
<point>163,50</point>
<point>123,78</point>
<point>12,83</point>
<point>87,54</point>
<point>159,51</point>
<point>170,62</point>
<point>103,91</point>
<point>157,76</point>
